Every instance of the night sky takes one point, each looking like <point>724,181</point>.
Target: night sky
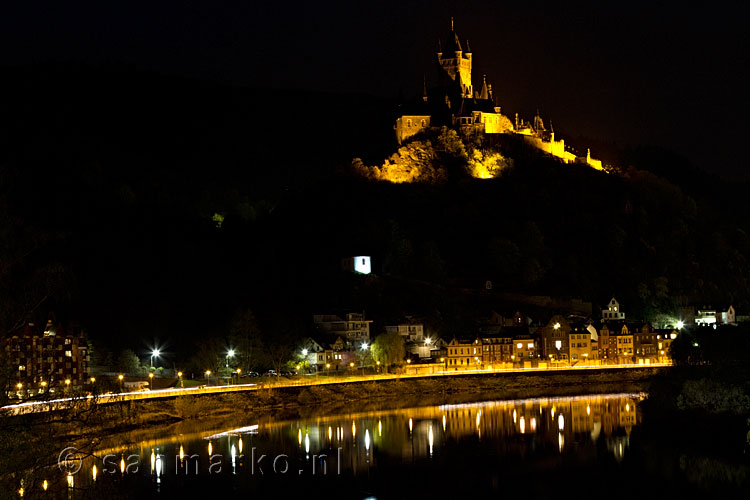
<point>653,73</point>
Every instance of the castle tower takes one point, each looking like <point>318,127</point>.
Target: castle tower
<point>455,64</point>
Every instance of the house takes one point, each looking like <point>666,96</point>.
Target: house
<point>712,316</point>
<point>646,345</point>
<point>613,312</point>
<point>555,339</point>
<point>583,340</point>
<point>353,327</point>
<point>54,357</point>
<point>464,353</point>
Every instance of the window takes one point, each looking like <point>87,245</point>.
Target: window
<point>408,122</point>
<point>68,353</point>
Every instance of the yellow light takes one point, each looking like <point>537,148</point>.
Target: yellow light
<point>70,480</point>
<point>561,421</point>
<point>410,425</point>
<point>351,365</point>
<point>299,436</point>
<point>380,428</point>
<point>93,472</point>
<point>150,375</point>
<point>19,385</point>
<point>210,449</point>
<point>120,377</point>
<point>44,384</point>
<point>240,444</point>
<point>122,465</point>
<point>556,326</point>
<point>182,453</point>
<point>45,485</point>
<point>627,407</point>
<point>153,459</point>
<point>208,372</point>
<point>20,491</point>
<point>93,379</point>
<point>514,416</point>
<point>354,429</point>
<point>443,423</point>
<point>588,410</point>
<point>67,381</point>
<point>377,363</point>
<point>408,361</point>
<point>179,374</point>
<point>239,370</point>
<point>330,433</point>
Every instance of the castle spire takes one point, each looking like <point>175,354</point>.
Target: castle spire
<point>484,94</point>
<point>451,23</point>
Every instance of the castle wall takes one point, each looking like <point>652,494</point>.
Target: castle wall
<point>408,125</point>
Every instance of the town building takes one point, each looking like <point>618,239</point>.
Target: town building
<point>613,312</point>
<point>353,327</point>
<point>555,339</point>
<point>52,358</point>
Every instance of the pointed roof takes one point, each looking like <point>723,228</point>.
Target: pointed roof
<point>452,44</point>
<point>484,94</point>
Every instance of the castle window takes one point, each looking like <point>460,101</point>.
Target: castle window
<point>408,122</point>
<point>424,123</point>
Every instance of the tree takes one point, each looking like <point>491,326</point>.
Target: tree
<point>388,348</point>
<point>128,362</point>
<point>244,338</point>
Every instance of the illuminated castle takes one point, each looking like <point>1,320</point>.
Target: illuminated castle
<point>455,103</point>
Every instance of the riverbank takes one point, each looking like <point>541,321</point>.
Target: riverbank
<point>301,402</point>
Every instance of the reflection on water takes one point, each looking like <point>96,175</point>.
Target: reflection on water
<point>357,445</point>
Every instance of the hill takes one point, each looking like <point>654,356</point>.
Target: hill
<point>168,204</point>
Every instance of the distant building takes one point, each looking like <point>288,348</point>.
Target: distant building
<point>353,327</point>
<point>46,359</point>
<point>712,316</point>
<point>613,312</point>
<point>360,264</point>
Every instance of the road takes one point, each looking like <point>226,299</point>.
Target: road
<point>63,403</point>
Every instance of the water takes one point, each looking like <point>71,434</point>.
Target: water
<point>533,447</point>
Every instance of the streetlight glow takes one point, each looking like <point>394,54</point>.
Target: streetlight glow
<point>680,324</point>
<point>304,352</point>
<point>364,346</point>
<point>230,353</point>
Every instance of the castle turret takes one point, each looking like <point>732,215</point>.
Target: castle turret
<point>455,64</point>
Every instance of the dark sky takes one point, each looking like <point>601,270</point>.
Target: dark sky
<point>666,73</point>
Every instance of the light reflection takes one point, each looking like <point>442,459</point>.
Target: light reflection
<point>380,427</point>
<point>522,424</point>
<point>153,460</point>
<point>239,443</point>
<point>430,439</point>
<point>307,443</point>
<point>299,436</point>
<point>210,449</point>
<point>93,472</point>
<point>354,430</point>
<point>330,433</point>
<point>182,452</point>
<point>367,440</point>
<point>234,459</point>
<point>122,465</point>
<point>443,423</point>
<point>560,441</point>
<point>514,416</point>
<point>533,424</point>
<point>71,482</point>
<point>45,485</point>
<point>410,426</point>
<point>560,422</point>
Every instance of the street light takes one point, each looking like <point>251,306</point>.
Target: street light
<point>304,352</point>
<point>151,381</point>
<point>120,376</point>
<point>154,354</point>
<point>364,346</point>
<point>179,375</point>
<point>93,379</point>
<point>208,377</point>
<point>67,383</point>
<point>680,324</point>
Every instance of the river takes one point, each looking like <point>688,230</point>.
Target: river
<point>583,445</point>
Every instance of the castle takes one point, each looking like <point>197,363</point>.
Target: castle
<point>455,103</point>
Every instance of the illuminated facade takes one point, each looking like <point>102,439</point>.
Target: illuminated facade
<point>47,359</point>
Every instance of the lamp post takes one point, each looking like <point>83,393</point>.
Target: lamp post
<point>230,354</point>
<point>67,384</point>
<point>179,376</point>
<point>151,381</point>
<point>208,377</point>
<point>120,377</point>
<point>154,354</point>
